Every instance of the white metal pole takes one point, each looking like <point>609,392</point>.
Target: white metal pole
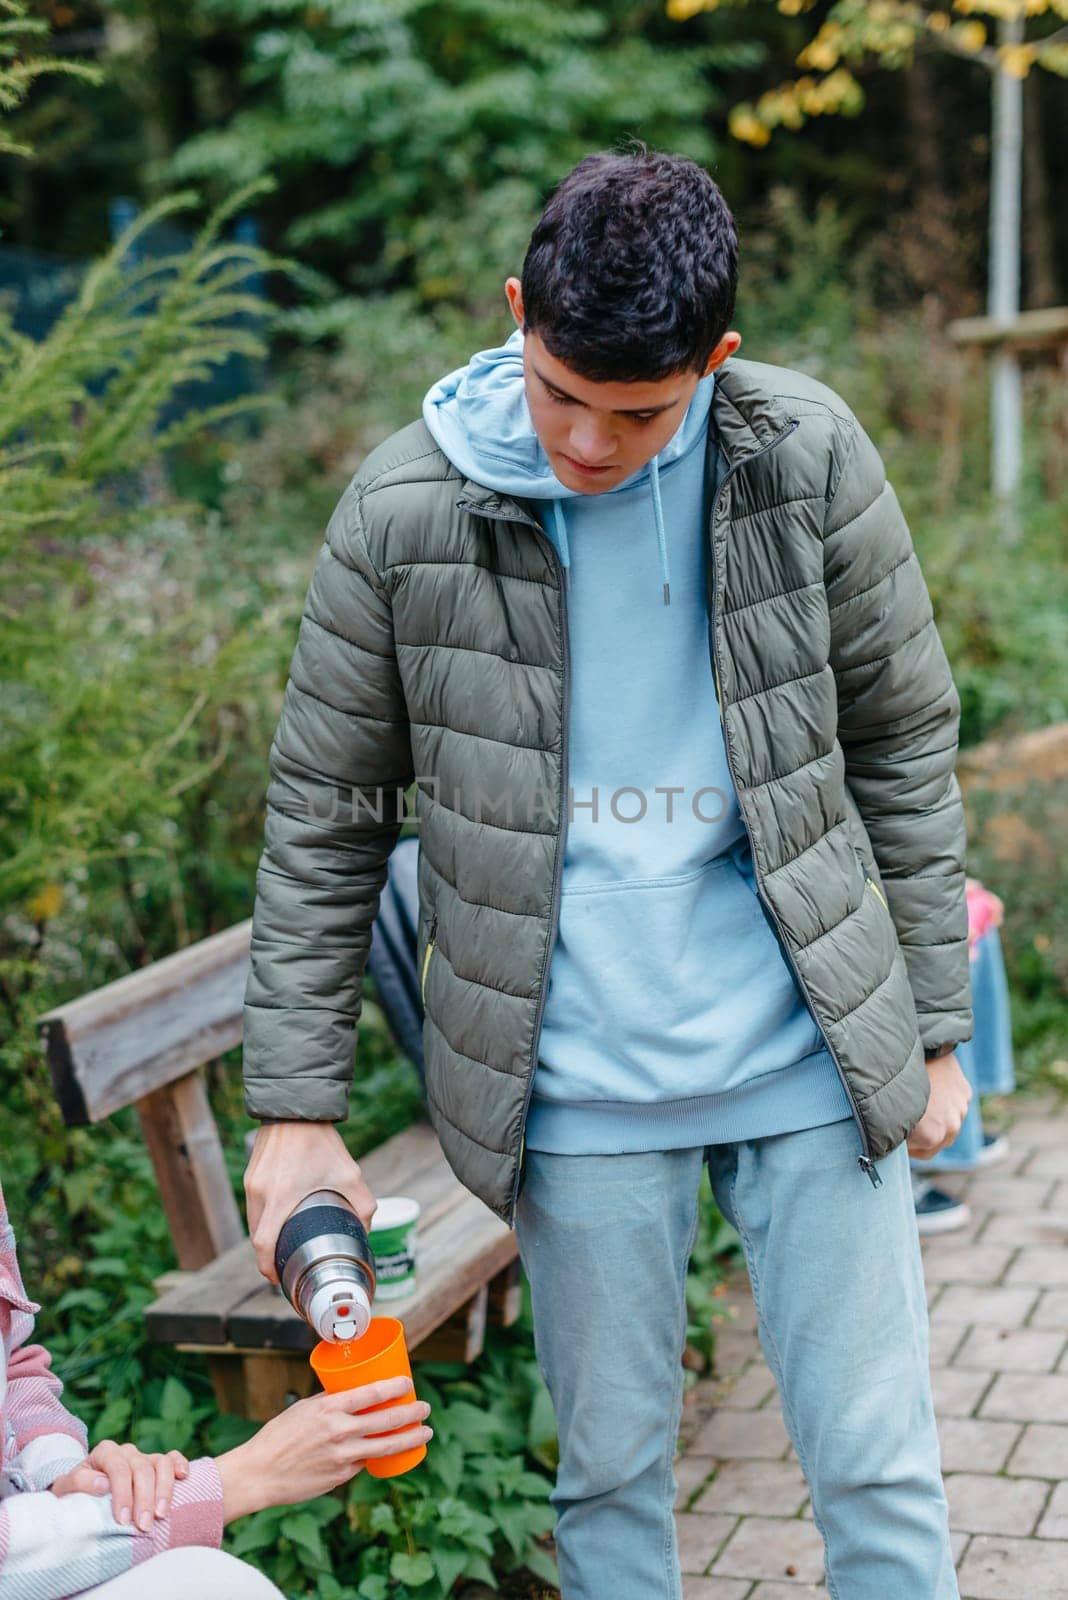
<point>1006,409</point>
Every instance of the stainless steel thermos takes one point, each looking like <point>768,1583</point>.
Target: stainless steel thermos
<point>326,1266</point>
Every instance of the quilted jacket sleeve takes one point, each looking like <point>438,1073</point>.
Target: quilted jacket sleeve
<point>339,764</point>
<point>898,722</point>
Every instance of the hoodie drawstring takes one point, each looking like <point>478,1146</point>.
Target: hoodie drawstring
<point>661,537</point>
<point>560,525</point>
<point>561,538</point>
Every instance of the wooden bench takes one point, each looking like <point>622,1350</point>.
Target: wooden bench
<point>144,1041</point>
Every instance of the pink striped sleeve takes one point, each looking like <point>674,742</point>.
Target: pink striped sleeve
<point>196,1514</point>
<point>39,1438</point>
<point>33,1407</point>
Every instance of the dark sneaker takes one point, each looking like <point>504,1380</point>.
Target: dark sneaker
<point>936,1211</point>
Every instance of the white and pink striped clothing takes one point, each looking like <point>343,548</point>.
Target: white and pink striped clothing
<point>52,1546</point>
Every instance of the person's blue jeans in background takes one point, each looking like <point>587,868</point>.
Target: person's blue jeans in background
<point>838,1285</point>
<point>986,1058</point>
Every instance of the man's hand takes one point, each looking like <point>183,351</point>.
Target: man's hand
<point>140,1486</point>
<point>290,1160</point>
<point>951,1095</point>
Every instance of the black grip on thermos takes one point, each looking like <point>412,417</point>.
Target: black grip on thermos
<point>315,1220</point>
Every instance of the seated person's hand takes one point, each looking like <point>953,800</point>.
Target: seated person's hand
<point>318,1443</point>
<point>140,1486</point>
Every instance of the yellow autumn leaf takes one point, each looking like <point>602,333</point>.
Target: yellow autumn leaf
<point>1010,10</point>
<point>970,35</point>
<point>747,127</point>
<point>937,21</point>
<point>1054,57</point>
<point>823,52</point>
<point>780,105</point>
<point>683,10</point>
<point>839,92</point>
<point>884,12</point>
<point>45,904</point>
<point>1007,10</point>
<point>1017,59</point>
<point>850,94</point>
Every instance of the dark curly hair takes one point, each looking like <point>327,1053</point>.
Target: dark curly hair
<point>632,269</point>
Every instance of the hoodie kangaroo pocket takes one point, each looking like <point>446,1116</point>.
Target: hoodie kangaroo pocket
<point>667,988</point>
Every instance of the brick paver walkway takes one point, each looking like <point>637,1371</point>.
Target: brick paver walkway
<point>998,1293</point>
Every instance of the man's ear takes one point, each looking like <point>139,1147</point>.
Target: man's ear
<point>726,348</point>
<point>513,289</point>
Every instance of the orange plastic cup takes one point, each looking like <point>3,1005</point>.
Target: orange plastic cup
<point>381,1353</point>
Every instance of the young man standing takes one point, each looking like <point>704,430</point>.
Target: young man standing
<point>644,624</point>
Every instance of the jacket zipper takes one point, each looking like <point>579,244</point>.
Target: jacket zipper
<point>871,884</point>
<point>865,1161</point>
<point>429,951</point>
<point>558,869</point>
<point>558,860</point>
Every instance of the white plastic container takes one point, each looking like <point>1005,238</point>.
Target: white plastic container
<point>394,1242</point>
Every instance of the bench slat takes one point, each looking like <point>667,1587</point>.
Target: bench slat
<point>1045,324</point>
<point>197,1310</point>
<point>116,1045</point>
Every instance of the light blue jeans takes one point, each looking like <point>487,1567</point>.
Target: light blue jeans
<point>838,1285</point>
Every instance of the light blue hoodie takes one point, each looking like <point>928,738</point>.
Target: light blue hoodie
<point>672,1017</point>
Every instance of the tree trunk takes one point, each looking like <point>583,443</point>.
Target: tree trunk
<point>930,242</point>
<point>1038,246</point>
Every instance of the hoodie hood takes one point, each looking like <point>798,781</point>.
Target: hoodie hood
<point>480,418</point>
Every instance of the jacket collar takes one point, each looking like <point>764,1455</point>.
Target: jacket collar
<point>492,503</point>
<point>746,417</point>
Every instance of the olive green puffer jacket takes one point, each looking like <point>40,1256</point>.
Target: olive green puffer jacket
<point>433,650</point>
